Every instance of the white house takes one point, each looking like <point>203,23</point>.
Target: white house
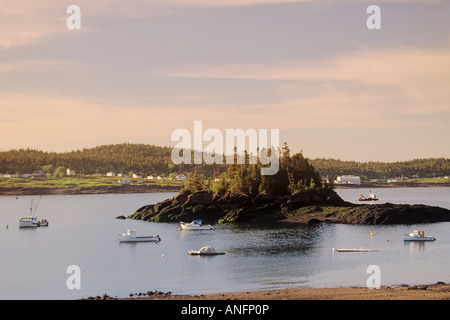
<point>110,174</point>
<point>70,172</point>
<point>348,179</point>
<point>137,176</point>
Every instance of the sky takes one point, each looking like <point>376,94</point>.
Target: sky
<point>137,70</point>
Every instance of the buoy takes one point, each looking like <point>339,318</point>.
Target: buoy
<point>179,229</point>
<point>371,234</point>
<point>162,256</point>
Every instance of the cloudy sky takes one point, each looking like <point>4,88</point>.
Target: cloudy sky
<point>137,70</point>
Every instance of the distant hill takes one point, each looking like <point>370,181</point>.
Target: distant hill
<point>150,159</point>
<point>423,168</point>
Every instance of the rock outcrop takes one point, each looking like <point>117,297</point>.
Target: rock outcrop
<point>314,206</point>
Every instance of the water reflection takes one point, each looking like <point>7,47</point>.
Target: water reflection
<point>415,247</point>
<point>275,239</point>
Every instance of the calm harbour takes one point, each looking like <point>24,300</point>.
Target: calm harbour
<point>83,231</point>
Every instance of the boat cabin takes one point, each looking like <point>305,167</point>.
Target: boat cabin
<point>131,233</point>
<point>419,233</point>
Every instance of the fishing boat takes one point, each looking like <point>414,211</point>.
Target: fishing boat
<point>417,235</point>
<point>206,251</point>
<point>31,221</point>
<point>130,236</point>
<point>372,197</point>
<point>355,250</point>
<point>194,225</point>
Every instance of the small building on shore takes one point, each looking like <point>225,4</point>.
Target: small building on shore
<point>348,179</point>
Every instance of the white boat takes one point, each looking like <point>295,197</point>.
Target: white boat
<point>417,235</point>
<point>195,225</point>
<point>206,251</point>
<point>130,236</point>
<point>31,220</point>
<point>28,222</point>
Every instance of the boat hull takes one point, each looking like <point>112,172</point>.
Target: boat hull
<point>407,237</point>
<point>139,239</point>
<point>188,227</point>
<point>206,251</point>
<point>197,253</point>
<point>28,224</point>
<point>195,225</point>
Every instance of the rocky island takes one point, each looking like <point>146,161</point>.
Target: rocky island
<point>302,207</point>
<point>295,194</point>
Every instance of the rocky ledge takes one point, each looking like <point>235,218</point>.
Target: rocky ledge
<point>314,206</point>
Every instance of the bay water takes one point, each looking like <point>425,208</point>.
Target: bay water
<point>83,232</point>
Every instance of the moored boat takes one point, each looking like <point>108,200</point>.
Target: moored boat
<point>28,222</point>
<point>372,197</point>
<point>130,236</point>
<point>194,225</point>
<point>31,221</point>
<point>417,235</point>
<point>206,251</point>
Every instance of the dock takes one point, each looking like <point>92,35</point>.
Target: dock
<point>355,250</point>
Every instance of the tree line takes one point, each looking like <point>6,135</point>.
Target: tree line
<point>295,174</point>
<point>423,168</point>
<point>150,159</point>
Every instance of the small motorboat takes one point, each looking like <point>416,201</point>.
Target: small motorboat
<point>43,223</point>
<point>31,221</point>
<point>417,235</point>
<point>372,197</point>
<point>194,225</point>
<point>206,251</point>
<point>130,236</point>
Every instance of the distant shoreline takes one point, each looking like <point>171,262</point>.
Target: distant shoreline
<point>118,189</point>
<point>392,185</point>
<point>113,189</point>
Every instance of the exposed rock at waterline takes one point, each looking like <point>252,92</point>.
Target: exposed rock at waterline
<point>314,206</point>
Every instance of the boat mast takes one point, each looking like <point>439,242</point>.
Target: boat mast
<point>35,209</point>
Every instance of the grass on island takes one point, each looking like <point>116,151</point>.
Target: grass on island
<point>78,181</point>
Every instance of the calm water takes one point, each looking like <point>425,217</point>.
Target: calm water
<point>83,232</point>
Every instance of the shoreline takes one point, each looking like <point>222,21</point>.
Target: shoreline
<point>113,189</point>
<point>117,189</point>
<point>437,291</point>
<point>392,185</point>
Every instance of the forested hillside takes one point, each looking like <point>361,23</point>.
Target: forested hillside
<point>149,159</point>
<point>424,168</point>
